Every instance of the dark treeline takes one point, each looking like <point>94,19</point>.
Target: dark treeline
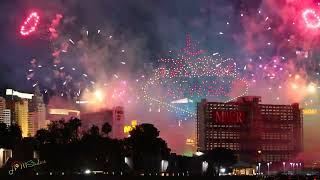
<point>65,149</point>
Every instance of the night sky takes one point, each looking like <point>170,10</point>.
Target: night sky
<point>267,39</point>
<point>162,25</point>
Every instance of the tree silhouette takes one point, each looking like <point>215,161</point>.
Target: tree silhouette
<point>10,136</point>
<point>106,128</point>
<point>61,132</point>
<point>4,132</point>
<point>146,148</point>
<point>59,145</point>
<point>72,126</point>
<point>14,136</point>
<point>43,136</point>
<point>219,157</point>
<point>64,149</point>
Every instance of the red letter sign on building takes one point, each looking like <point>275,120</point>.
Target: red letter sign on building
<point>228,117</point>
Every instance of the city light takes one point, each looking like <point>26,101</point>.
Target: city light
<point>311,88</point>
<point>190,141</point>
<point>222,170</point>
<point>128,128</point>
<point>87,171</point>
<point>11,92</point>
<point>310,111</point>
<point>198,153</point>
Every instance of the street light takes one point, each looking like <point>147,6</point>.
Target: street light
<point>284,166</point>
<point>87,171</point>
<point>268,164</point>
<point>293,167</point>
<point>300,166</point>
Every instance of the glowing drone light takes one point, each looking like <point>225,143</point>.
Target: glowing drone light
<point>30,24</point>
<point>311,19</point>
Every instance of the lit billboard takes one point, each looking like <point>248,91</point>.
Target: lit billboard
<point>11,92</point>
<point>228,117</point>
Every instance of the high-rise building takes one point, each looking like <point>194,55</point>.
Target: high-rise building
<point>21,116</point>
<point>2,107</point>
<point>37,112</point>
<point>12,97</point>
<point>117,122</point>
<point>256,132</point>
<point>7,117</point>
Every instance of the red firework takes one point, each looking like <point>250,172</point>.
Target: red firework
<point>311,18</point>
<point>30,24</point>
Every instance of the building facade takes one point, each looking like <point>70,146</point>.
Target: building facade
<point>255,132</point>
<point>61,109</point>
<point>2,107</point>
<point>117,122</point>
<point>37,112</point>
<point>7,117</point>
<point>22,117</point>
<point>17,105</point>
<point>95,118</point>
<point>114,116</point>
<point>5,114</point>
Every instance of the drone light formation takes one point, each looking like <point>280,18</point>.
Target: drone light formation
<point>30,24</point>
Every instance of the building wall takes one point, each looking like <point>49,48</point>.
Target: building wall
<point>7,117</point>
<point>96,118</point>
<point>114,116</point>
<point>256,132</point>
<point>11,105</point>
<point>118,122</point>
<point>282,132</point>
<point>41,116</point>
<point>2,107</point>
<point>5,154</point>
<point>21,116</point>
<point>36,121</point>
<point>37,112</point>
<point>201,109</point>
<point>54,114</point>
<point>31,123</point>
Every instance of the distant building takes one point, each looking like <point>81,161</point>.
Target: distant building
<point>61,109</point>
<point>7,117</point>
<point>256,132</point>
<point>37,112</point>
<point>14,100</point>
<point>10,104</point>
<point>115,117</point>
<point>5,154</point>
<point>117,122</point>
<point>11,92</point>
<point>25,109</point>
<point>2,107</point>
<point>96,118</point>
<point>21,117</point>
